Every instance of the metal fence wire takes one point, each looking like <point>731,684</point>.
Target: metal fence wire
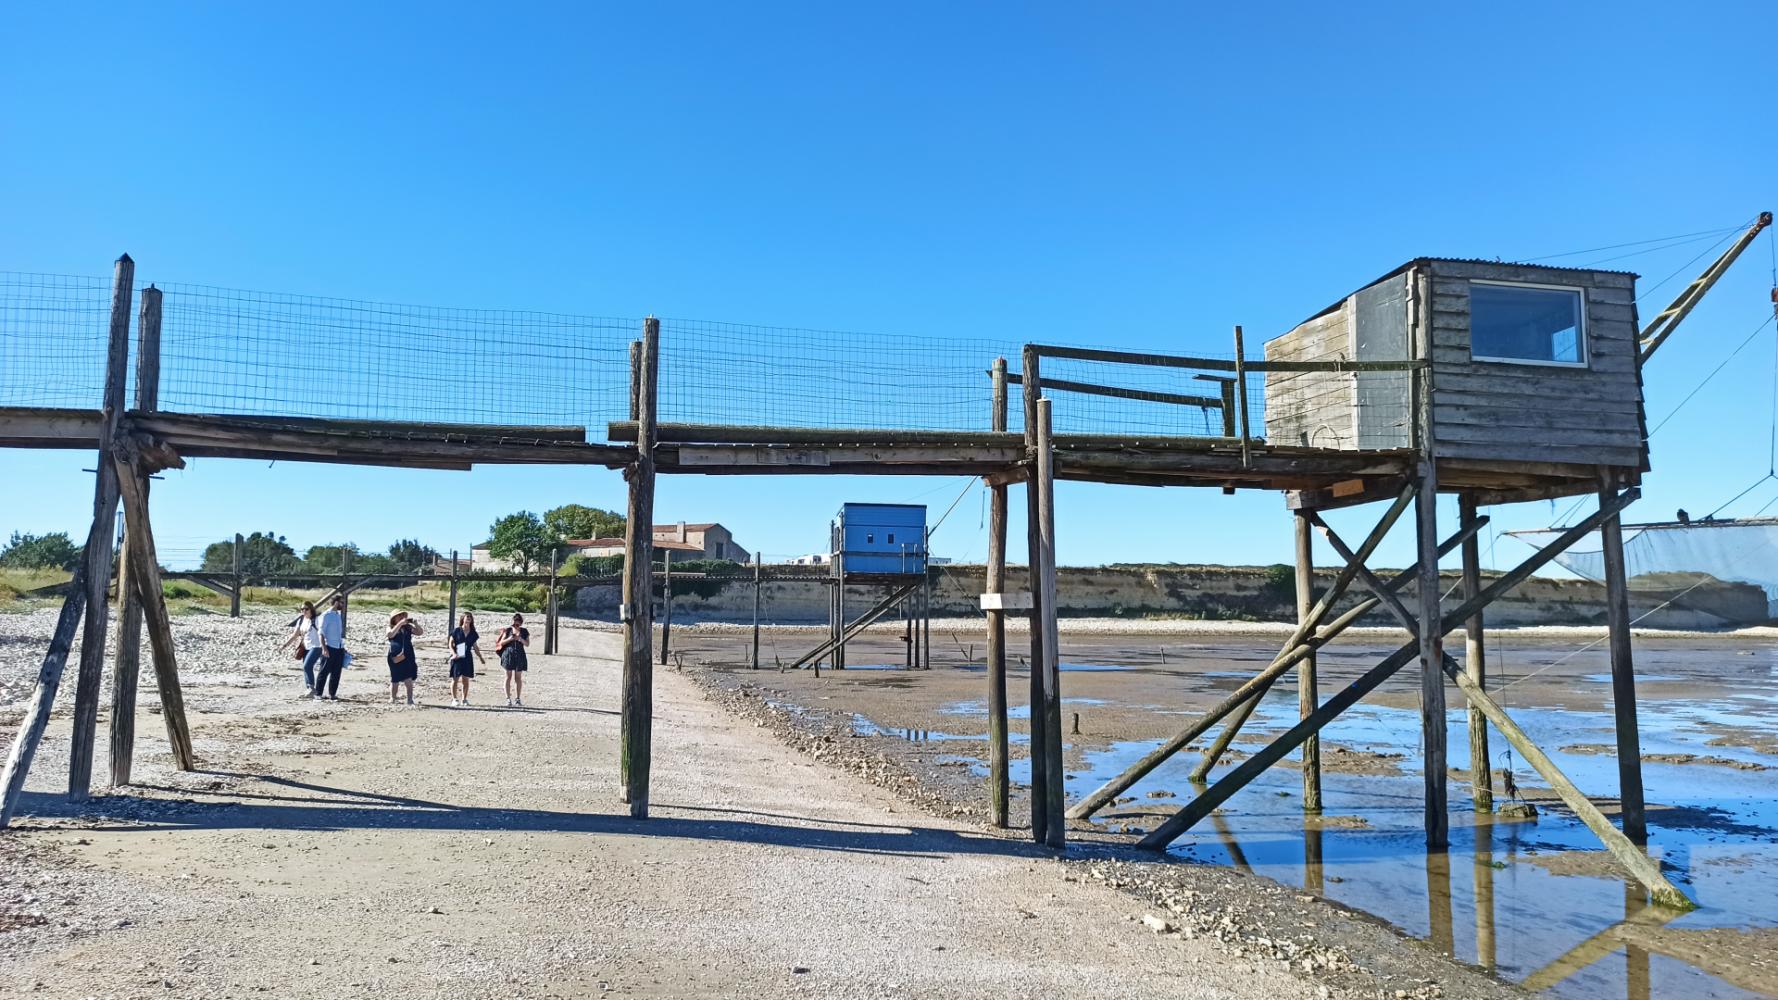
<point>266,353</point>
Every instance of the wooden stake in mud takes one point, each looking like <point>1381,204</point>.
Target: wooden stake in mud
<point>234,596</point>
<point>146,574</point>
<point>1055,826</point>
<point>1481,770</point>
<point>1032,383</point>
<point>638,610</point>
<point>128,665</point>
<point>1623,678</point>
<point>998,789</point>
<point>666,602</point>
<point>97,557</point>
<point>1307,698</point>
<point>754,660</point>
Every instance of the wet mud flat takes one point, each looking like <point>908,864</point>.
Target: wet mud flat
<point>1530,901</point>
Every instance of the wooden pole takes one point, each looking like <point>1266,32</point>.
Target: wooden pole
<point>839,611</point>
<point>754,660</point>
<point>1032,383</point>
<point>1307,698</point>
<point>1481,772</point>
<point>1241,392</point>
<point>234,596</point>
<point>128,665</point>
<point>451,622</point>
<point>1055,826</point>
<point>146,572</point>
<point>1623,678</point>
<point>43,696</point>
<point>98,551</point>
<point>638,699</point>
<point>550,608</point>
<point>999,792</point>
<point>1432,651</point>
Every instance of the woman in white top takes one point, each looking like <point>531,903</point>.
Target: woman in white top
<point>307,636</point>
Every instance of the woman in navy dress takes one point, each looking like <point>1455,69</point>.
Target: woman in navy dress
<point>510,647</point>
<point>403,668</point>
<point>464,653</point>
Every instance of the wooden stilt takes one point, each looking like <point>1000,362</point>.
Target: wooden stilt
<point>128,666</point>
<point>1623,677</point>
<point>43,696</point>
<point>666,602</point>
<point>98,554</point>
<point>1432,651</point>
<point>638,699</point>
<point>1475,663</point>
<point>753,661</point>
<point>1306,693</point>
<point>146,576</point>
<point>998,752</point>
<point>234,594</point>
<point>1032,383</point>
<point>1055,827</point>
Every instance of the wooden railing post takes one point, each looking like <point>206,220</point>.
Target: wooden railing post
<point>638,610</point>
<point>128,665</point>
<point>98,553</point>
<point>1032,383</point>
<point>995,583</point>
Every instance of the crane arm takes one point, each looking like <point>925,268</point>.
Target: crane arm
<point>1662,326</point>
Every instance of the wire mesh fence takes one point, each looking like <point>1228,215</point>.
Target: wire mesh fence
<point>264,353</point>
<point>53,332</point>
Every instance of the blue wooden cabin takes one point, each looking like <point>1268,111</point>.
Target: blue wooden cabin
<point>882,537</point>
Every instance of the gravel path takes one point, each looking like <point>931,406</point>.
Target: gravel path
<point>361,848</point>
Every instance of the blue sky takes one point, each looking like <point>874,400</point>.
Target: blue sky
<point>1144,175</point>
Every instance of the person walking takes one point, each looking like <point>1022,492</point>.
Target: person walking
<point>306,634</point>
<point>510,647</point>
<point>333,651</point>
<point>464,653</point>
<point>403,667</point>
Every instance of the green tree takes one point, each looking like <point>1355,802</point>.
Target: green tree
<point>262,553</point>
<point>53,551</point>
<point>575,521</point>
<point>332,558</point>
<point>409,556</point>
<point>522,538</point>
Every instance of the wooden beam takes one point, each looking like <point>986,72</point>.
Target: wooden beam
<point>638,691</point>
<point>98,556</point>
<point>43,695</point>
<point>145,573</point>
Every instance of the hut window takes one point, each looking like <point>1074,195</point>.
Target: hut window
<point>1527,324</point>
